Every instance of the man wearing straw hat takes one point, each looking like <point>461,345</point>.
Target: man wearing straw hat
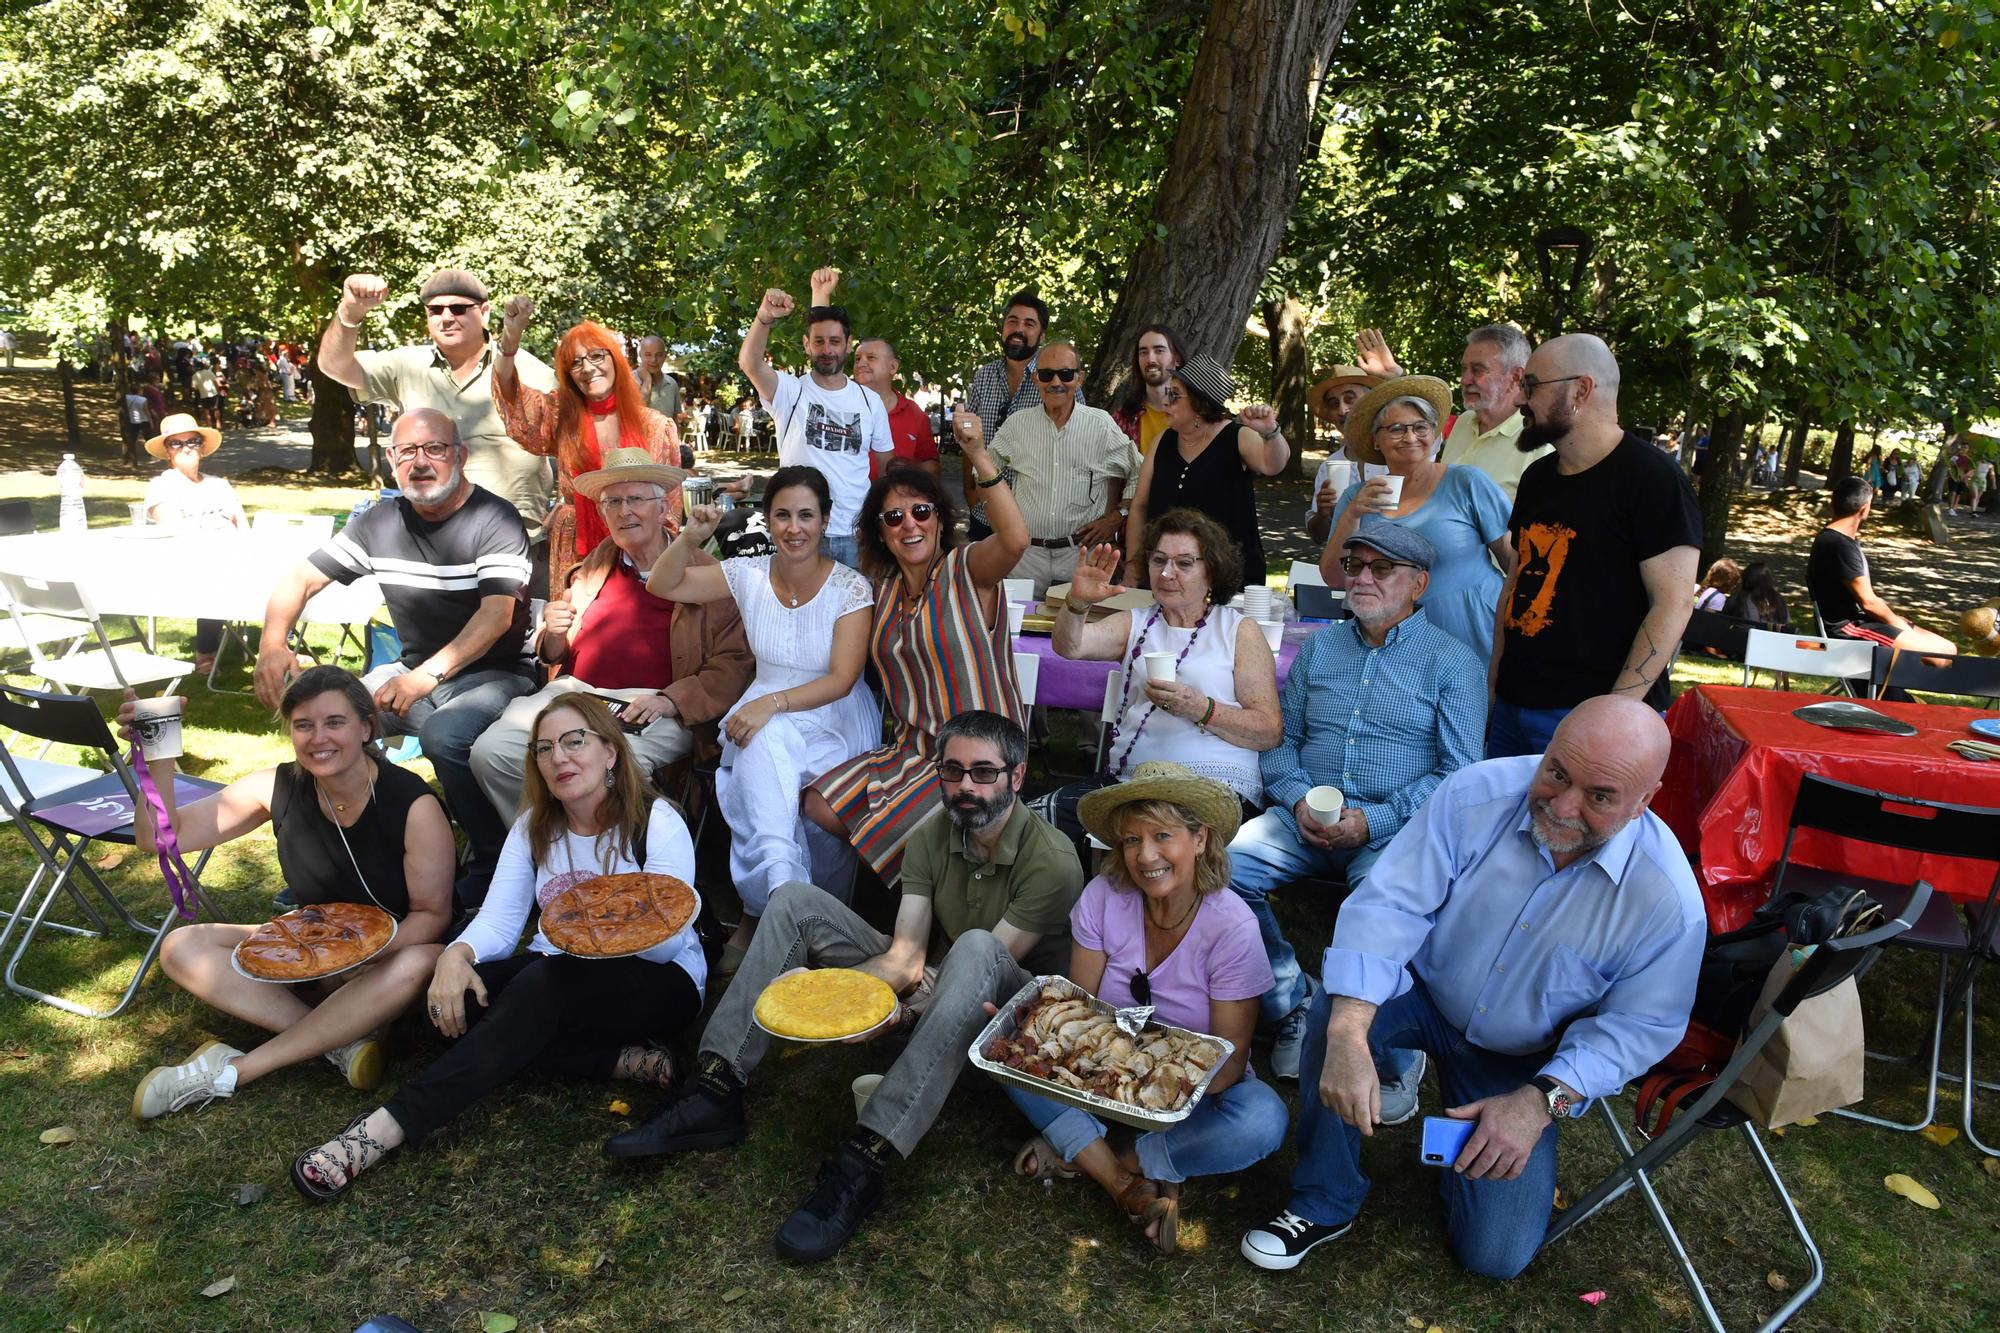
<point>1331,400</point>
<point>675,667</point>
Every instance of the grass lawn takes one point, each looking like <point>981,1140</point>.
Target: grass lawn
<point>512,1210</point>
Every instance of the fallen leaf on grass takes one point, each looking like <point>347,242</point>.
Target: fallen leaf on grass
<point>1991,1166</point>
<point>1592,1298</point>
<point>58,1136</point>
<point>1562,1200</point>
<point>1910,1189</point>
<point>1777,1131</point>
<point>17,1055</point>
<point>620,1108</point>
<point>604,1258</point>
<point>1938,1134</point>
<point>492,1321</point>
<point>1776,1281</point>
<point>249,1194</point>
<point>110,860</point>
<point>222,1286</point>
<point>734,1294</point>
<point>1806,1121</point>
<point>1416,1323</point>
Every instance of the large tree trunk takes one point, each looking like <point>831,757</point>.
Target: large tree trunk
<point>72,432</point>
<point>332,424</point>
<point>1290,376</point>
<point>1842,463</point>
<point>1933,490</point>
<point>1718,482</point>
<point>1231,179</point>
<point>1795,448</point>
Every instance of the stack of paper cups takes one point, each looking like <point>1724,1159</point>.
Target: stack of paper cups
<point>1257,602</point>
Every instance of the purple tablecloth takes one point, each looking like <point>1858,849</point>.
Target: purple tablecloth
<point>1066,684</point>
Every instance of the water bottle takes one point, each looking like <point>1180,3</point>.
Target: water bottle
<point>69,481</point>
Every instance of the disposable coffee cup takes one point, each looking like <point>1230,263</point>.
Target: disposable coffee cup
<point>1324,804</point>
<point>864,1088</point>
<point>1159,666</point>
<point>1016,613</point>
<point>1274,633</point>
<point>1395,496</point>
<point>138,508</point>
<point>158,722</point>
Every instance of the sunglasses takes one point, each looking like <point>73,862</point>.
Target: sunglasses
<point>1142,989</point>
<point>454,308</point>
<point>893,518</point>
<point>984,775</point>
<point>182,443</point>
<point>1050,374</point>
<point>1354,564</point>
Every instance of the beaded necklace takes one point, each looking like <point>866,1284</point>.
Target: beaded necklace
<point>1125,690</point>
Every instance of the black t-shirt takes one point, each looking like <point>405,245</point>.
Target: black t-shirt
<point>1835,562</point>
<point>434,575</point>
<point>1577,597</point>
<point>319,866</point>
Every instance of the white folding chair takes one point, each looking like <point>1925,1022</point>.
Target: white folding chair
<point>60,839</point>
<point>1304,572</point>
<point>1107,713</point>
<point>318,527</point>
<point>99,668</point>
<point>1845,660</point>
<point>1027,672</point>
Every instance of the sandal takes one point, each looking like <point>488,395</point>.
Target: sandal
<point>353,1144</point>
<point>1161,1211</point>
<point>1049,1165</point>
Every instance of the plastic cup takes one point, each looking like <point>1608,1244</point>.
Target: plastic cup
<point>138,508</point>
<point>1274,633</point>
<point>1395,496</point>
<point>864,1088</point>
<point>1159,666</point>
<point>1016,613</point>
<point>1324,804</point>
<point>158,722</point>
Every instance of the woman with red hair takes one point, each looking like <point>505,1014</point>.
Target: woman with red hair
<point>596,407</point>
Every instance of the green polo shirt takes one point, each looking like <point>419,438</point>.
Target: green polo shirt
<point>1031,883</point>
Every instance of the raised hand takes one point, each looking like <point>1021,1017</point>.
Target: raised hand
<point>361,293</point>
<point>1372,354</point>
<point>777,304</point>
<point>824,280</point>
<point>966,425</point>
<point>701,523</point>
<point>1260,417</point>
<point>514,318</point>
<point>1096,574</point>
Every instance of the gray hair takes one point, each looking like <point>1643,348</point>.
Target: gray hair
<point>1422,406</point>
<point>996,729</point>
<point>1513,344</point>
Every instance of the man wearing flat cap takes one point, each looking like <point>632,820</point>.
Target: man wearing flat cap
<point>1381,708</point>
<point>452,375</point>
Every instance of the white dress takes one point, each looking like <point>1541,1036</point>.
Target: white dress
<point>758,785</point>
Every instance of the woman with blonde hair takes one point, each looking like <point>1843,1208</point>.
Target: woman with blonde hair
<point>597,407</point>
<point>585,811</point>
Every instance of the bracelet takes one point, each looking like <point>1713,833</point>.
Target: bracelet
<point>991,481</point>
<point>343,322</point>
<point>1209,714</point>
<point>1076,610</point>
<point>1272,434</point>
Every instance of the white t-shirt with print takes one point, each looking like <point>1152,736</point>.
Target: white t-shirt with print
<point>833,430</point>
<point>208,505</point>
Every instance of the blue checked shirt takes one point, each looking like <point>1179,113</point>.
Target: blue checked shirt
<point>1385,725</point>
<point>1597,960</point>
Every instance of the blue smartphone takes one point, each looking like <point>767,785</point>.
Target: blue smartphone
<point>1444,1139</point>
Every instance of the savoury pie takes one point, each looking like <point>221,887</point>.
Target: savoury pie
<point>315,941</point>
<point>614,916</point>
<point>824,1004</point>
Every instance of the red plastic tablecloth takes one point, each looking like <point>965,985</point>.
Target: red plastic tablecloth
<point>1734,772</point>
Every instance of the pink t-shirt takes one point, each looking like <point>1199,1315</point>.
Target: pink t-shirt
<point>1220,958</point>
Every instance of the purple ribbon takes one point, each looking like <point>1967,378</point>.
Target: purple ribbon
<point>180,880</point>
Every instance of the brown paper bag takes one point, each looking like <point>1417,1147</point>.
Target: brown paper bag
<point>1814,1060</point>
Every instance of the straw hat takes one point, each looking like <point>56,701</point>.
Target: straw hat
<point>1320,397</point>
<point>180,423</point>
<point>1978,625</point>
<point>1360,428</point>
<point>628,465</point>
<point>1214,805</point>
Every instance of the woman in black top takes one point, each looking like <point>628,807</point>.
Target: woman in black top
<point>1206,462</point>
<point>349,828</point>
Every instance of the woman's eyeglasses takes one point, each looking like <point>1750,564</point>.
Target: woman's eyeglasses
<point>1404,430</point>
<point>597,359</point>
<point>1050,374</point>
<point>182,443</point>
<point>984,775</point>
<point>893,518</point>
<point>456,309</point>
<point>571,742</point>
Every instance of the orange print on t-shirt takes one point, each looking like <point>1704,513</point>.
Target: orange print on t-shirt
<point>1543,550</point>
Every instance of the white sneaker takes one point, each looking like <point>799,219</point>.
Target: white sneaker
<point>359,1062</point>
<point>206,1076</point>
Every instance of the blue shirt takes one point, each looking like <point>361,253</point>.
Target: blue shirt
<point>1385,725</point>
<point>1597,960</point>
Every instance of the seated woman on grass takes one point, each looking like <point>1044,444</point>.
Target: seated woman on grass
<point>350,828</point>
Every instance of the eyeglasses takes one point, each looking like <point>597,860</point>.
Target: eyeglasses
<point>1171,395</point>
<point>435,450</point>
<point>893,518</point>
<point>438,309</point>
<point>1404,430</point>
<point>1049,374</point>
<point>597,359</point>
<point>611,504</point>
<point>984,775</point>
<point>571,742</point>
<point>184,442</point>
<point>1529,383</point>
<point>1354,564</point>
<point>1183,565</point>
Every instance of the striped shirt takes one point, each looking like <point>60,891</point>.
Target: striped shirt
<point>1060,474</point>
<point>987,398</point>
<point>1385,725</point>
<point>434,574</point>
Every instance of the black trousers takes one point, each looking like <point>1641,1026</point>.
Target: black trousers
<point>559,1014</point>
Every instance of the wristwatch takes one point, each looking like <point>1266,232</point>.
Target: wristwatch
<point>1561,1105</point>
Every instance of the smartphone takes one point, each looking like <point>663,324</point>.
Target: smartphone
<point>1444,1139</point>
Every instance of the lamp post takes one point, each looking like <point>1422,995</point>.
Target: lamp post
<point>1576,244</point>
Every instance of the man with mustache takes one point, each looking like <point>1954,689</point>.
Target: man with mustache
<point>452,558</point>
<point>1606,534</point>
<point>1004,386</point>
<point>1538,931</point>
<point>987,890</point>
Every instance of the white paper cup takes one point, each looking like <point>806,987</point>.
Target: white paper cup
<point>138,509</point>
<point>1159,666</point>
<point>864,1088</point>
<point>1016,613</point>
<point>1395,497</point>
<point>1274,633</point>
<point>158,722</point>
<point>1324,804</point>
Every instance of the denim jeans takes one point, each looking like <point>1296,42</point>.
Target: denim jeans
<point>1226,1133</point>
<point>842,547</point>
<point>1264,855</point>
<point>1495,1225</point>
<point>1512,730</point>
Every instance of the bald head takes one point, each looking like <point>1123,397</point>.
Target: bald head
<point>423,424</point>
<point>1582,354</point>
<point>1598,775</point>
<point>1569,395</point>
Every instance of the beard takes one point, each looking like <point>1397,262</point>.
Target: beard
<point>423,493</point>
<point>828,364</point>
<point>1017,347</point>
<point>1155,376</point>
<point>973,814</point>
<point>1581,838</point>
<point>1537,431</point>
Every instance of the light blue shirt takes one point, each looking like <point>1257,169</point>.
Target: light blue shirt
<point>1385,725</point>
<point>1598,959</point>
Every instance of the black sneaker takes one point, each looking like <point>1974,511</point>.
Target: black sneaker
<point>1284,1240</point>
<point>848,1189</point>
<point>694,1117</point>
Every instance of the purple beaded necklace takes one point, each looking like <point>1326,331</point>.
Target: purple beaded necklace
<point>1125,690</point>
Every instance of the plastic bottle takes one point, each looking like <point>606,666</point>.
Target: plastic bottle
<point>69,482</point>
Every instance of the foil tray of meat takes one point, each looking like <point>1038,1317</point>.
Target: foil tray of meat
<point>1057,1040</point>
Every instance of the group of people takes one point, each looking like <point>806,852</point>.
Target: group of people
<point>855,686</point>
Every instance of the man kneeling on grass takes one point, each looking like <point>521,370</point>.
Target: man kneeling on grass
<point>987,889</point>
<point>1537,930</point>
